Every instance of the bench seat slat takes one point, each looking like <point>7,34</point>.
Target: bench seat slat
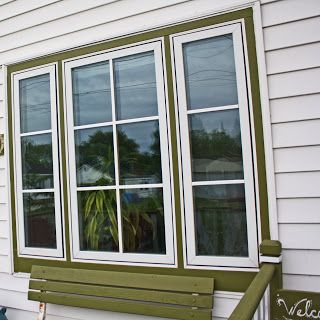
<point>185,299</point>
<point>124,279</point>
<point>165,311</point>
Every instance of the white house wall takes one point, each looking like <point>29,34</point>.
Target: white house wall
<point>39,27</point>
<point>292,44</point>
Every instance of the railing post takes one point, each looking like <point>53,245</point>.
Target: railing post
<point>270,252</point>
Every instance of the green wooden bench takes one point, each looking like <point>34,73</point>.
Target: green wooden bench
<point>177,297</point>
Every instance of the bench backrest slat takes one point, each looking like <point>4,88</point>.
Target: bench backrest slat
<point>184,299</point>
<point>164,311</point>
<point>124,279</point>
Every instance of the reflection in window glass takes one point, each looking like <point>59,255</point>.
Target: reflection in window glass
<point>35,106</point>
<point>210,73</point>
<point>216,151</point>
<point>94,156</point>
<point>143,221</point>
<point>135,85</point>
<point>139,153</point>
<point>37,167</point>
<point>91,94</point>
<point>39,220</point>
<point>98,226</point>
<point>220,219</point>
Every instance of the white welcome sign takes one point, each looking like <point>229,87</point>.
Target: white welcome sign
<point>296,305</point>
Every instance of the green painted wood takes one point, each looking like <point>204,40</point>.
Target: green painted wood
<point>295,305</point>
<point>271,248</point>
<point>183,299</point>
<point>248,304</point>
<point>125,279</point>
<point>165,311</point>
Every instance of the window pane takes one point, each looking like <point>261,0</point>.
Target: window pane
<point>135,84</point>
<point>220,219</point>
<point>143,221</point>
<point>139,153</point>
<point>94,156</point>
<point>35,107</point>
<point>210,72</point>
<point>98,226</point>
<point>216,145</point>
<point>91,94</point>
<point>39,220</point>
<point>37,169</point>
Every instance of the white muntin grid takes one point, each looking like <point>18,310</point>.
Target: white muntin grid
<point>165,186</point>
<point>24,250</point>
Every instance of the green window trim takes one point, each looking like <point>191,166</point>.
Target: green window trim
<point>225,280</point>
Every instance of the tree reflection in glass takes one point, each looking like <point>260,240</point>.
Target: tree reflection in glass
<point>94,156</point>
<point>139,153</point>
<point>37,167</point>
<point>98,226</point>
<point>216,146</point>
<point>39,220</point>
<point>143,221</point>
<point>220,219</point>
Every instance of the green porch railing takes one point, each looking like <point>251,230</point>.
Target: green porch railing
<point>269,274</point>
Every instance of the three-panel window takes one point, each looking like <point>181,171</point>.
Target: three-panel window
<point>119,159</point>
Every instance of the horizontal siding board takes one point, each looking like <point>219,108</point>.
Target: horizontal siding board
<point>1,91</point>
<point>5,265</point>
<point>301,282</point>
<point>4,247</point>
<point>3,195</point>
<point>289,10</point>
<point>2,108</point>
<point>18,7</point>
<point>4,229</point>
<point>3,177</point>
<point>2,162</point>
<point>2,125</point>
<point>298,185</point>
<point>292,34</point>
<point>3,212</point>
<point>300,236</point>
<point>51,12</point>
<point>295,108</point>
<point>294,134</point>
<point>294,83</point>
<point>297,159</point>
<point>136,23</point>
<point>301,262</point>
<point>299,210</point>
<point>84,20</point>
<point>294,58</point>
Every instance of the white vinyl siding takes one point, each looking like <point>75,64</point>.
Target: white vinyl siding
<point>292,47</point>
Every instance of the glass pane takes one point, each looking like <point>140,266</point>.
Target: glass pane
<point>143,221</point>
<point>98,226</point>
<point>220,219</point>
<point>37,168</point>
<point>91,94</point>
<point>39,220</point>
<point>136,88</point>
<point>139,153</point>
<point>210,72</point>
<point>35,106</point>
<point>216,146</point>
<point>94,156</point>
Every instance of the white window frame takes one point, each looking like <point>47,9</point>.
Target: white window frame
<point>191,259</point>
<point>121,257</point>
<point>22,249</point>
